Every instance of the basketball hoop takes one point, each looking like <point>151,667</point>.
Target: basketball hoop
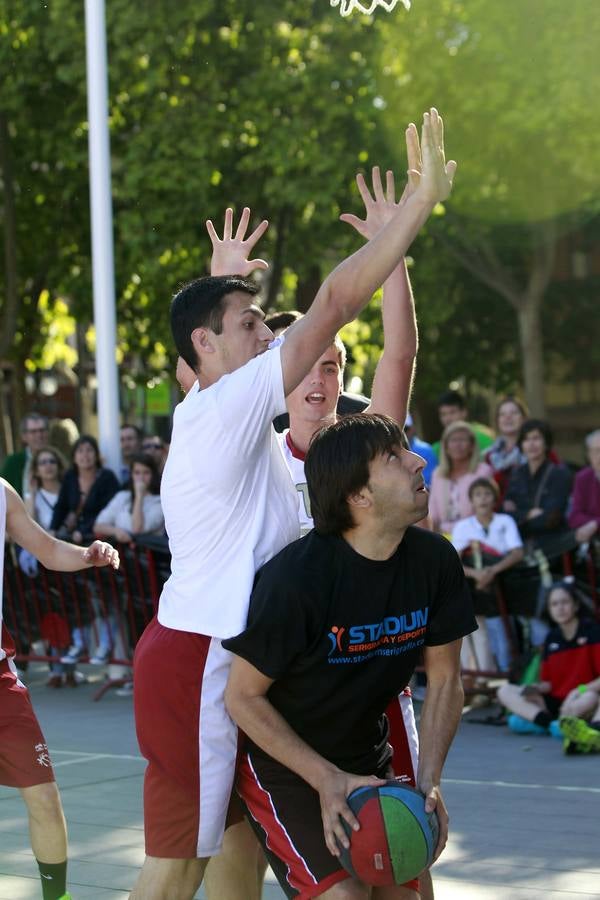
<point>367,7</point>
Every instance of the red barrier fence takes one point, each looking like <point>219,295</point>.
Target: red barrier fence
<point>102,610</point>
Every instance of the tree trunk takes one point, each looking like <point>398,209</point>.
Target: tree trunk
<point>8,319</point>
<point>532,354</point>
<point>276,272</point>
<point>307,288</point>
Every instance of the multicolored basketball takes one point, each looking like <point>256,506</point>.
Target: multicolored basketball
<point>397,838</point>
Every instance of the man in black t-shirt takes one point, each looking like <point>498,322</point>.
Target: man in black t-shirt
<point>337,624</point>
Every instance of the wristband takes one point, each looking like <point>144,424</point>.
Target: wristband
<point>582,688</point>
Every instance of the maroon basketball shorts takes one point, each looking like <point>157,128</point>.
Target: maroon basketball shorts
<point>285,813</point>
<point>187,737</point>
<point>24,758</point>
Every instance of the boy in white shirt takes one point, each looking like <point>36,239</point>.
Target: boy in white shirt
<point>496,546</point>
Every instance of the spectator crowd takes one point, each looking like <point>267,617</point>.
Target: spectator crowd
<point>522,520</point>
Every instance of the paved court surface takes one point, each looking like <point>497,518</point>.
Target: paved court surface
<point>525,820</point>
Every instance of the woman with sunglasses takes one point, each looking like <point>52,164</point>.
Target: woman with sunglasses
<point>47,470</point>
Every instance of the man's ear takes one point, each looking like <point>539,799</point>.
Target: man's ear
<point>361,499</point>
<point>202,341</point>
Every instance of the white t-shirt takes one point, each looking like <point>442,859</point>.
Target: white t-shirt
<point>43,507</point>
<point>294,460</point>
<point>2,542</point>
<point>501,536</point>
<point>118,513</point>
<point>227,497</point>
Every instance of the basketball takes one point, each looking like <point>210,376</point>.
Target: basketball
<point>397,838</point>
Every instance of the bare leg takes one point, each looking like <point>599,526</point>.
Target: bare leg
<point>583,706</point>
<point>349,889</point>
<point>528,707</point>
<point>47,827</point>
<point>395,893</point>
<point>426,885</point>
<point>169,879</point>
<point>239,869</point>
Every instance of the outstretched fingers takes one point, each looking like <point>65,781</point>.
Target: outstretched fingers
<point>241,229</point>
<point>377,185</point>
<point>390,187</point>
<point>258,232</point>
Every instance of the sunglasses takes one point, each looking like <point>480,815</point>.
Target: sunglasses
<point>152,446</point>
<point>47,461</point>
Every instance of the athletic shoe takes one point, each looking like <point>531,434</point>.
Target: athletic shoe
<point>73,655</point>
<point>126,690</point>
<point>522,726</point>
<point>578,732</point>
<point>55,681</point>
<point>65,897</point>
<point>101,656</point>
<point>555,731</point>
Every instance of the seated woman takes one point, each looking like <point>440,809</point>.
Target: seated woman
<point>459,467</point>
<point>538,491</point>
<point>584,516</point>
<point>137,509</point>
<point>570,678</point>
<point>489,543</point>
<point>86,489</point>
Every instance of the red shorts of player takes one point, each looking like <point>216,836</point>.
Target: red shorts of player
<point>24,758</point>
<point>285,813</point>
<point>187,737</point>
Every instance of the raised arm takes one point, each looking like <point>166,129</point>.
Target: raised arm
<point>230,253</point>
<point>394,373</point>
<point>52,553</point>
<point>348,289</point>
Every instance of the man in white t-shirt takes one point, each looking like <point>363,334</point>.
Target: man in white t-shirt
<point>229,506</point>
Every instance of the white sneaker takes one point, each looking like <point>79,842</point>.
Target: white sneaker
<point>126,690</point>
<point>73,655</point>
<point>101,656</point>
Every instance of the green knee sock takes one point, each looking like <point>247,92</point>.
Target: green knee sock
<point>54,879</point>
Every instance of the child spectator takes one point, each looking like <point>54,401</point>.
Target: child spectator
<point>570,678</point>
<point>490,544</point>
<point>459,467</point>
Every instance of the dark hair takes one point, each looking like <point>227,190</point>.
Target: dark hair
<point>35,417</point>
<point>138,431</point>
<point>337,465</point>
<point>144,459</point>
<point>452,398</point>
<point>282,319</point>
<point>536,425</point>
<point>199,304</point>
<point>486,483</point>
<point>86,439</point>
<point>566,584</point>
<point>510,398</point>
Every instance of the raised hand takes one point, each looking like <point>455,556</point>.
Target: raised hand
<point>230,254</point>
<point>380,206</point>
<point>101,554</point>
<point>436,175</point>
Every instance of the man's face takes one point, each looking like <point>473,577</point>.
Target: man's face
<point>315,398</point>
<point>244,334</point>
<point>398,493</point>
<point>482,501</point>
<point>593,451</point>
<point>448,414</point>
<point>153,446</point>
<point>35,434</point>
<point>130,442</point>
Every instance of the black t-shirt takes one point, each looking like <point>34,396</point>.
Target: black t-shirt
<point>341,635</point>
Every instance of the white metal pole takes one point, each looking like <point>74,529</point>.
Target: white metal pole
<point>102,234</point>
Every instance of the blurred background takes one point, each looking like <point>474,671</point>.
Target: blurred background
<point>277,104</point>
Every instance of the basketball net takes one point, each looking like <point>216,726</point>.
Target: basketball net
<point>368,7</point>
